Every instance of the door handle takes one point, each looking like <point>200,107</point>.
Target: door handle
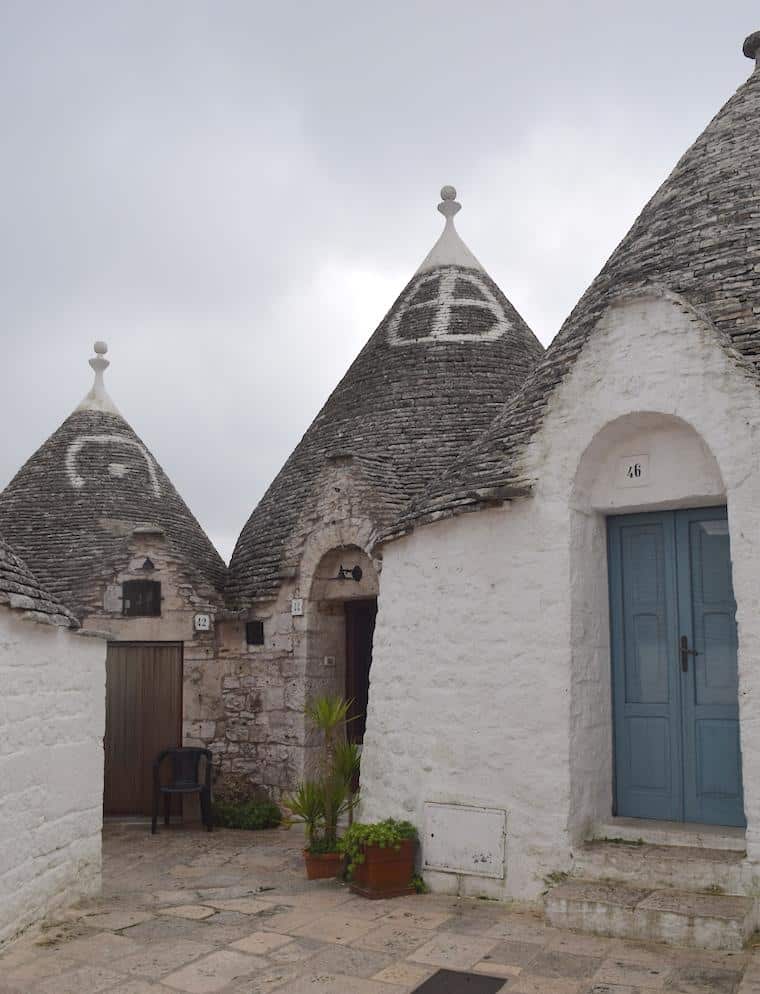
<point>685,653</point>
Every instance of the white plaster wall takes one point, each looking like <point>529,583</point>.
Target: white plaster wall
<point>681,469</point>
<point>490,679</point>
<point>52,716</point>
<point>469,687</point>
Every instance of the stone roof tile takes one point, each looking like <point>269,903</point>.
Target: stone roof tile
<point>21,591</point>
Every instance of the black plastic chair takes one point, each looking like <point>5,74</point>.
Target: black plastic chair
<point>185,780</point>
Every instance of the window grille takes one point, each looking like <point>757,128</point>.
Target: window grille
<point>141,598</point>
<point>254,632</point>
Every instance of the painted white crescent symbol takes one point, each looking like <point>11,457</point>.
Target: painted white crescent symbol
<point>76,447</point>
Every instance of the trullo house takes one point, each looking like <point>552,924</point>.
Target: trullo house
<point>305,575</point>
<point>98,521</point>
<point>568,641</point>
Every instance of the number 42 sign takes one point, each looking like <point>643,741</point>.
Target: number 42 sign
<point>634,471</point>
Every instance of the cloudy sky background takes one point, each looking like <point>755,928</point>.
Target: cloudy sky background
<point>232,194</point>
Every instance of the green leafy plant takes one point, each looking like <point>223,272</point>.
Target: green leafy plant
<point>386,834</point>
<point>320,845</point>
<point>321,802</point>
<point>347,760</point>
<point>328,713</point>
<point>250,814</point>
<point>556,877</point>
<point>418,884</point>
<point>308,805</point>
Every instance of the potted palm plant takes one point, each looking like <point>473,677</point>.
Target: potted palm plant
<point>320,802</point>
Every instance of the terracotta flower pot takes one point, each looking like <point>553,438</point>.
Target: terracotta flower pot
<point>322,865</point>
<point>385,872</point>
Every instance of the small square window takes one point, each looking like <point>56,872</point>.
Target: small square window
<point>254,632</point>
<point>141,598</point>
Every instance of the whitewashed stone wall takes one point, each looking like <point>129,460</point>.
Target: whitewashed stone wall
<point>52,715</point>
<point>490,682</point>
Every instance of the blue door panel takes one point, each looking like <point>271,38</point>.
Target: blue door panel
<point>642,585</point>
<point>647,753</point>
<point>646,671</point>
<point>712,771</point>
<point>715,673</point>
<point>718,760</point>
<point>677,752</point>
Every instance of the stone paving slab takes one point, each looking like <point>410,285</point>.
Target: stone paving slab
<point>250,923</point>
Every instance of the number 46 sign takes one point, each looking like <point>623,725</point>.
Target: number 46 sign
<point>634,471</point>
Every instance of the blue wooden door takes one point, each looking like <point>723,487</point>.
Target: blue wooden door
<point>673,637</point>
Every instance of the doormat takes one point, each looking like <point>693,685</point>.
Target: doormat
<point>453,982</point>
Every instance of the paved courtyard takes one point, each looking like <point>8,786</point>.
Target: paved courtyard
<point>231,912</point>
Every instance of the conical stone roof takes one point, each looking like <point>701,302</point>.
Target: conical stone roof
<point>699,237</point>
<point>435,372</point>
<point>71,511</point>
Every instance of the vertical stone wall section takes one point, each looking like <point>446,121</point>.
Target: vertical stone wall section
<point>51,769</point>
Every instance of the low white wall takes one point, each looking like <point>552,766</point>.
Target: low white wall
<point>52,717</point>
<point>490,681</point>
<point>470,686</point>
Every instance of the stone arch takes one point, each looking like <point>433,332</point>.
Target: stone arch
<point>681,471</point>
<point>678,467</point>
<point>358,534</point>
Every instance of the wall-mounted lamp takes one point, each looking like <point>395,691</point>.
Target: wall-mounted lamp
<point>350,574</point>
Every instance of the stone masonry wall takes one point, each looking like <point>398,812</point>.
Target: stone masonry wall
<point>259,729</point>
<point>51,769</point>
<point>182,598</point>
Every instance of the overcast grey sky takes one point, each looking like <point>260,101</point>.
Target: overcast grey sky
<point>232,194</point>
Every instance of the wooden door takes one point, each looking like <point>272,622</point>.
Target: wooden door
<point>143,716</point>
<point>360,628</point>
<point>674,653</point>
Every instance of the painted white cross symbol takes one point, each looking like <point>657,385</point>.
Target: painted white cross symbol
<point>445,304</point>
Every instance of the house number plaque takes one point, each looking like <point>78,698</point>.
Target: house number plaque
<point>202,622</point>
<point>634,471</point>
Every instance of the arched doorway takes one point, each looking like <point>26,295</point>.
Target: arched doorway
<point>654,630</point>
<point>342,608</point>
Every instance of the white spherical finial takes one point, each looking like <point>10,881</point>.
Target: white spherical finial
<point>97,399</point>
<point>448,205</point>
<point>99,362</point>
<point>752,47</point>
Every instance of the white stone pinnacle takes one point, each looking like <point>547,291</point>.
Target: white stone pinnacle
<point>449,250</point>
<point>752,48</point>
<point>97,399</point>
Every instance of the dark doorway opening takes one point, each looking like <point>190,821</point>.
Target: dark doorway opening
<point>360,629</point>
<point>143,716</point>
